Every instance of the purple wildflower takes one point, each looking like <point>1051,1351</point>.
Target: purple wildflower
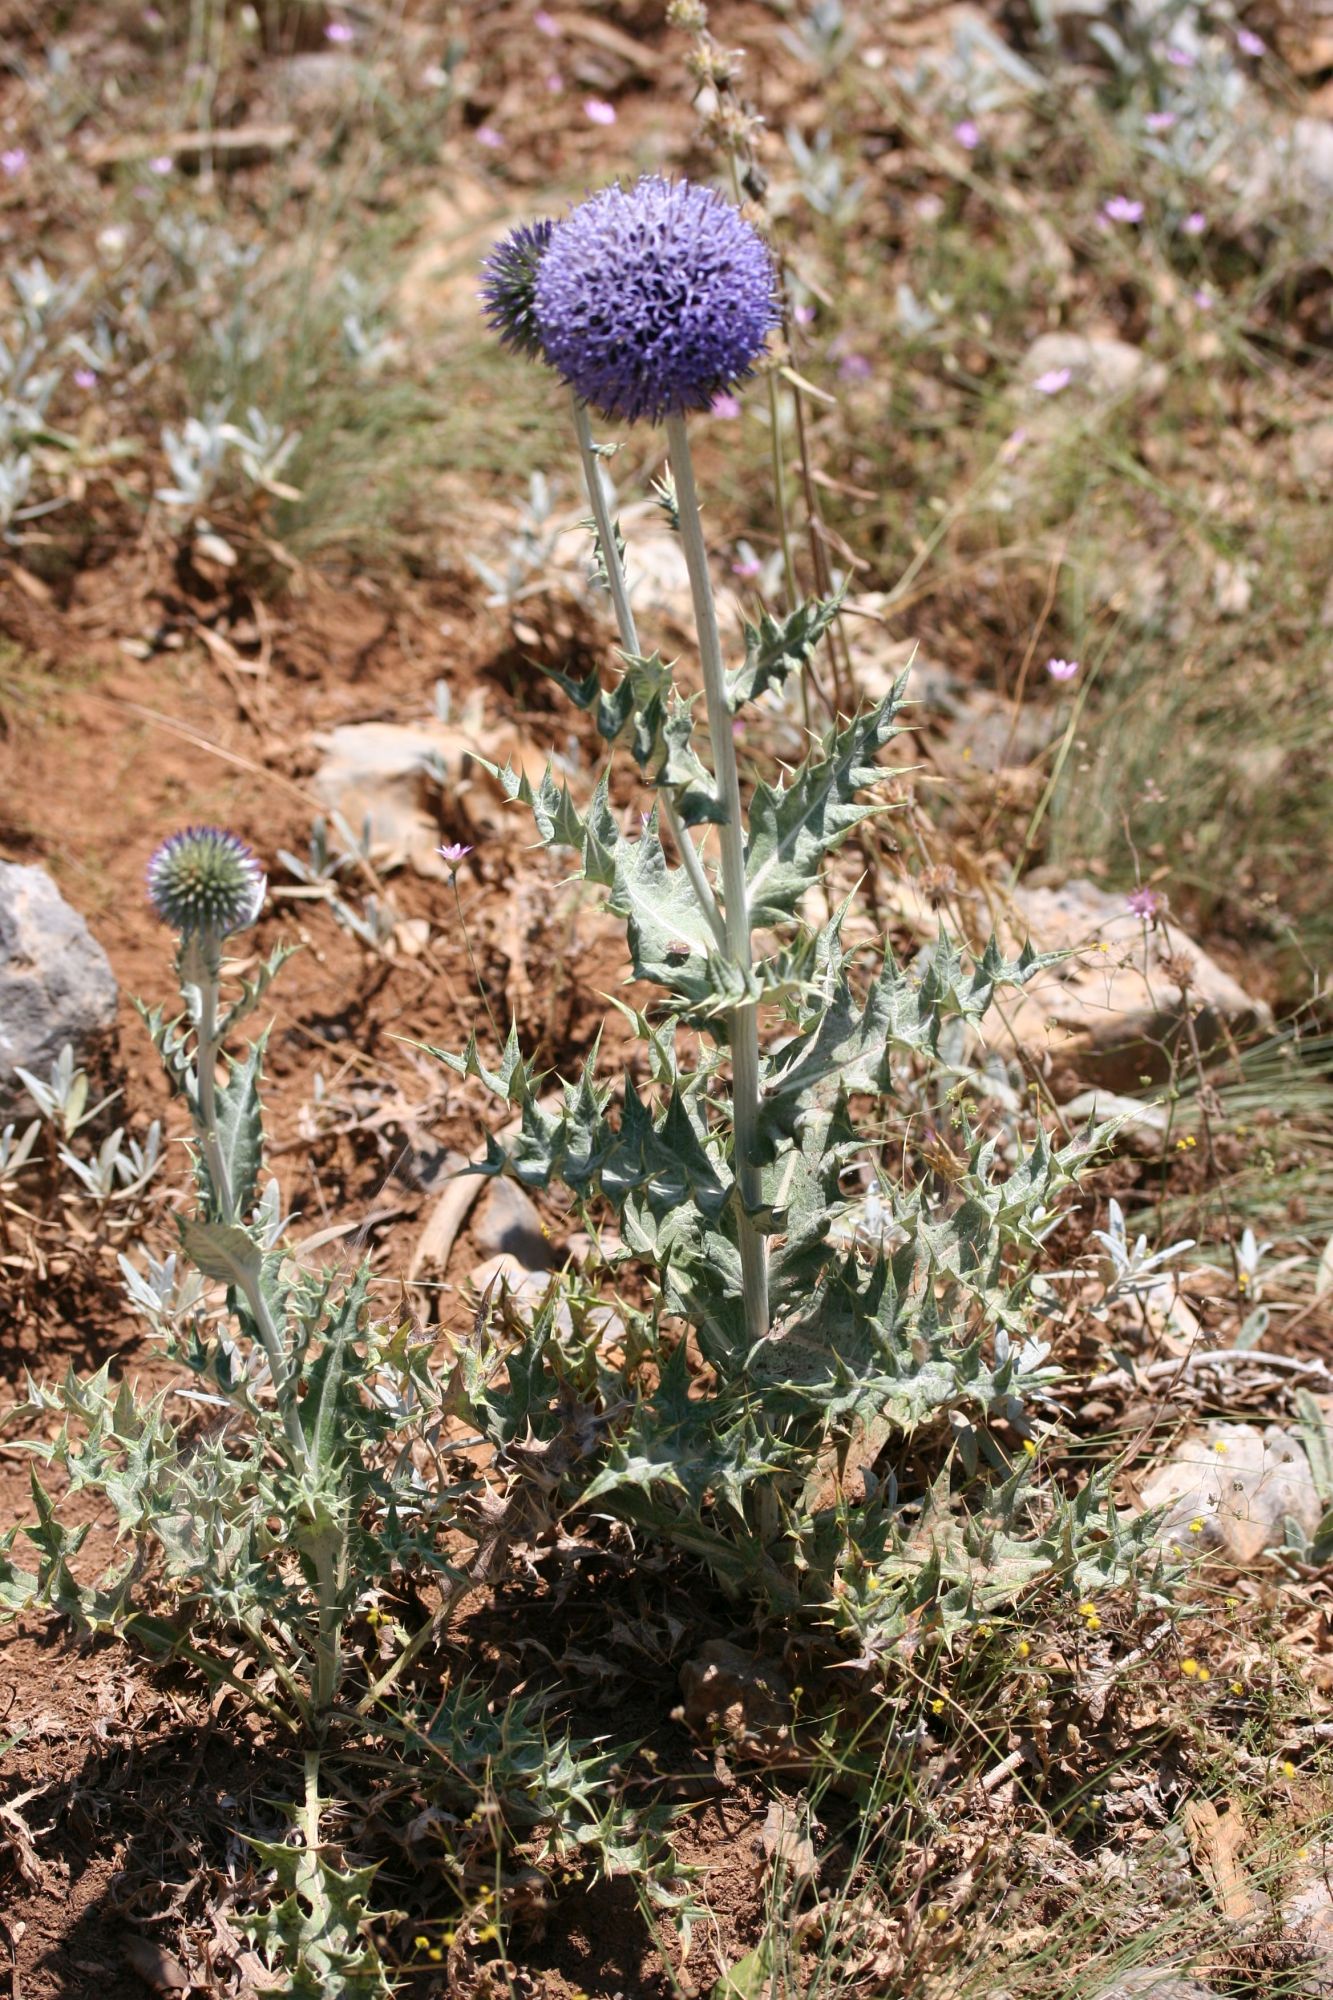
<point>340,32</point>
<point>509,287</point>
<point>1195,222</point>
<point>453,852</point>
<point>555,83</point>
<point>486,135</point>
<point>1061,670</point>
<point>654,298</point>
<point>1159,121</point>
<point>1052,380</point>
<point>206,879</point>
<point>598,112</point>
<point>1145,903</point>
<point>545,23</point>
<point>1123,208</point>
<point>1250,44</point>
<point>1179,58</point>
<point>968,134</point>
<point>161,164</point>
<point>804,315</point>
<point>12,161</point>
<point>725,405</point>
<point>855,368</point>
<point>85,378</point>
<point>1204,300</point>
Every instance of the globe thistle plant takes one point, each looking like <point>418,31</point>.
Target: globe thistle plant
<point>509,284</point>
<point>654,299</point>
<point>206,879</point>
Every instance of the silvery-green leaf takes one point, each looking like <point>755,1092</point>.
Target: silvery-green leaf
<point>239,1126</point>
<point>221,1250</point>
<point>775,648</point>
<point>792,827</point>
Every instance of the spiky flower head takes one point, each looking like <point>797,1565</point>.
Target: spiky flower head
<point>653,299</point>
<point>206,880</point>
<point>508,285</point>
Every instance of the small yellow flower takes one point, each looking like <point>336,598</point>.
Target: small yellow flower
<point>872,1583</point>
<point>1023,1649</point>
<point>1204,1674</point>
<point>1237,1687</point>
<point>983,1631</point>
<point>1219,1446</point>
<point>421,1943</point>
<point>1196,1526</point>
<point>1302,1854</point>
<point>937,1707</point>
<point>1243,1282</point>
<point>435,1954</point>
<point>1189,1667</point>
<point>1233,1604</point>
<point>1092,1623</point>
<point>1287,1768</point>
<point>1030,1447</point>
<point>1087,1609</point>
<point>487,1934</point>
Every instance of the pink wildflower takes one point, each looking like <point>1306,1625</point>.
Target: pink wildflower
<point>803,315</point>
<point>555,83</point>
<point>1179,58</point>
<point>1145,903</point>
<point>855,368</point>
<point>545,24</point>
<point>968,134</point>
<point>1250,44</point>
<point>598,111</point>
<point>1123,208</point>
<point>453,852</point>
<point>161,164</point>
<point>1052,380</point>
<point>340,32</point>
<point>1061,670</point>
<point>1204,300</point>
<point>1195,222</point>
<point>12,161</point>
<point>747,565</point>
<point>486,135</point>
<point>85,378</point>
<point>1159,121</point>
<point>724,405</point>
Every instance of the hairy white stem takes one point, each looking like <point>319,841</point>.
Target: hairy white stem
<point>744,1020</point>
<point>629,640</point>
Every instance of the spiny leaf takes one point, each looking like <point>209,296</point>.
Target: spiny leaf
<point>775,649</point>
<point>793,827</point>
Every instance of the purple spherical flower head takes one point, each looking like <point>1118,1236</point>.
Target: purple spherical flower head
<point>654,299</point>
<point>509,285</point>
<point>206,879</point>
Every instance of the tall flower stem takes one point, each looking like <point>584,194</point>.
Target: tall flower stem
<point>744,1019</point>
<point>206,1060</point>
<point>629,640</point>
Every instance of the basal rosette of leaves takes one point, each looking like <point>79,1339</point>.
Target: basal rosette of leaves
<point>771,1454</point>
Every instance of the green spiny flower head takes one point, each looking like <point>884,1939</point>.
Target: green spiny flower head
<point>206,880</point>
<point>509,288</point>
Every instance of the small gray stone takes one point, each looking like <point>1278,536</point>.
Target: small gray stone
<point>56,983</point>
<point>1239,1485</point>
<point>507,1224</point>
<point>1104,367</point>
